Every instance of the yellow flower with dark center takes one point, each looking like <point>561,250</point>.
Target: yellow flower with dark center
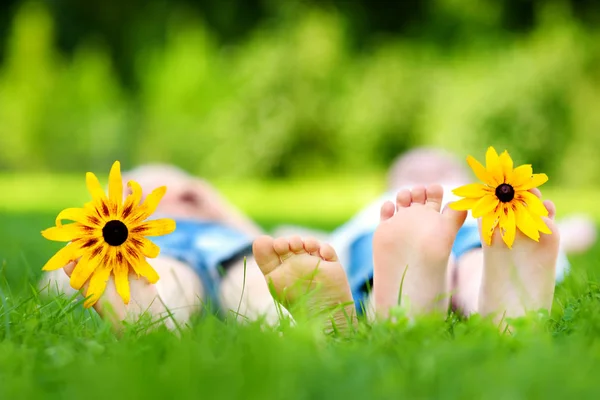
<point>108,235</point>
<point>504,199</point>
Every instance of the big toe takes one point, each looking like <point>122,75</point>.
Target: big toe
<point>265,255</point>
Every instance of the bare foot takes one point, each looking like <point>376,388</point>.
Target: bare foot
<point>144,300</point>
<point>411,248</point>
<point>522,279</point>
<point>307,273</point>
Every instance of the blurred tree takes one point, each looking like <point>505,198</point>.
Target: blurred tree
<point>124,27</point>
<point>274,88</point>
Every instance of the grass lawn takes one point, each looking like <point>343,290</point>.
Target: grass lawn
<point>51,348</point>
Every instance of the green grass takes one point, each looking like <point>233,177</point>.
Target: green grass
<point>51,348</point>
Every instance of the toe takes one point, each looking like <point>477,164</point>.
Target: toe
<point>403,198</point>
<point>282,248</point>
<point>69,268</point>
<point>551,240</point>
<point>536,192</point>
<point>312,246</point>
<point>551,209</point>
<point>434,195</point>
<point>455,218</point>
<point>296,245</point>
<point>327,253</point>
<point>418,195</point>
<point>387,211</point>
<point>265,255</point>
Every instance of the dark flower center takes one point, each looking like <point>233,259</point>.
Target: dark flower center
<point>505,193</point>
<point>115,233</point>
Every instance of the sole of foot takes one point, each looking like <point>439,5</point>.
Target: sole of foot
<point>411,252</point>
<point>522,279</point>
<point>306,277</point>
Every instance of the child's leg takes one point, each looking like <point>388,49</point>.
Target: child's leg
<point>411,251</point>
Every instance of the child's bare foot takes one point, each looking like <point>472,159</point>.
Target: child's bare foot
<point>522,279</point>
<point>307,271</point>
<point>173,298</point>
<point>411,248</point>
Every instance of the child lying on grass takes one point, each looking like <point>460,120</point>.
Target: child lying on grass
<point>203,260</point>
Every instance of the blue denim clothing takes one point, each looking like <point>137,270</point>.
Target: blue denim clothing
<point>204,246</point>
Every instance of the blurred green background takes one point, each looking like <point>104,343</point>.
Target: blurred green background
<point>274,89</point>
<point>294,109</point>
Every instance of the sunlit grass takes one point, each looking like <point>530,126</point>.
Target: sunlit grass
<point>51,348</point>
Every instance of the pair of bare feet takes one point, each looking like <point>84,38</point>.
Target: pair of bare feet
<point>412,267</point>
<point>411,248</point>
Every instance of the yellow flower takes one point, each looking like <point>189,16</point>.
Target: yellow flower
<point>504,199</point>
<point>108,236</point>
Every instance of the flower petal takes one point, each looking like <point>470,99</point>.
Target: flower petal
<point>64,233</point>
<point>109,255</point>
<point>82,272</point>
<point>115,184</point>
<point>143,268</point>
<point>148,207</point>
<point>535,181</point>
<point>493,166</point>
<point>485,205</point>
<point>508,226</point>
<point>533,203</point>
<point>488,224</point>
<point>71,214</point>
<point>479,170</point>
<point>507,166</point>
<point>97,285</point>
<point>541,225</point>
<point>103,209</point>
<point>121,273</point>
<point>156,227</point>
<point>472,190</point>
<point>136,193</point>
<point>152,200</point>
<point>521,174</point>
<point>150,249</point>
<point>139,244</point>
<point>140,266</point>
<point>463,204</point>
<point>94,187</point>
<point>62,257</point>
<point>525,223</point>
